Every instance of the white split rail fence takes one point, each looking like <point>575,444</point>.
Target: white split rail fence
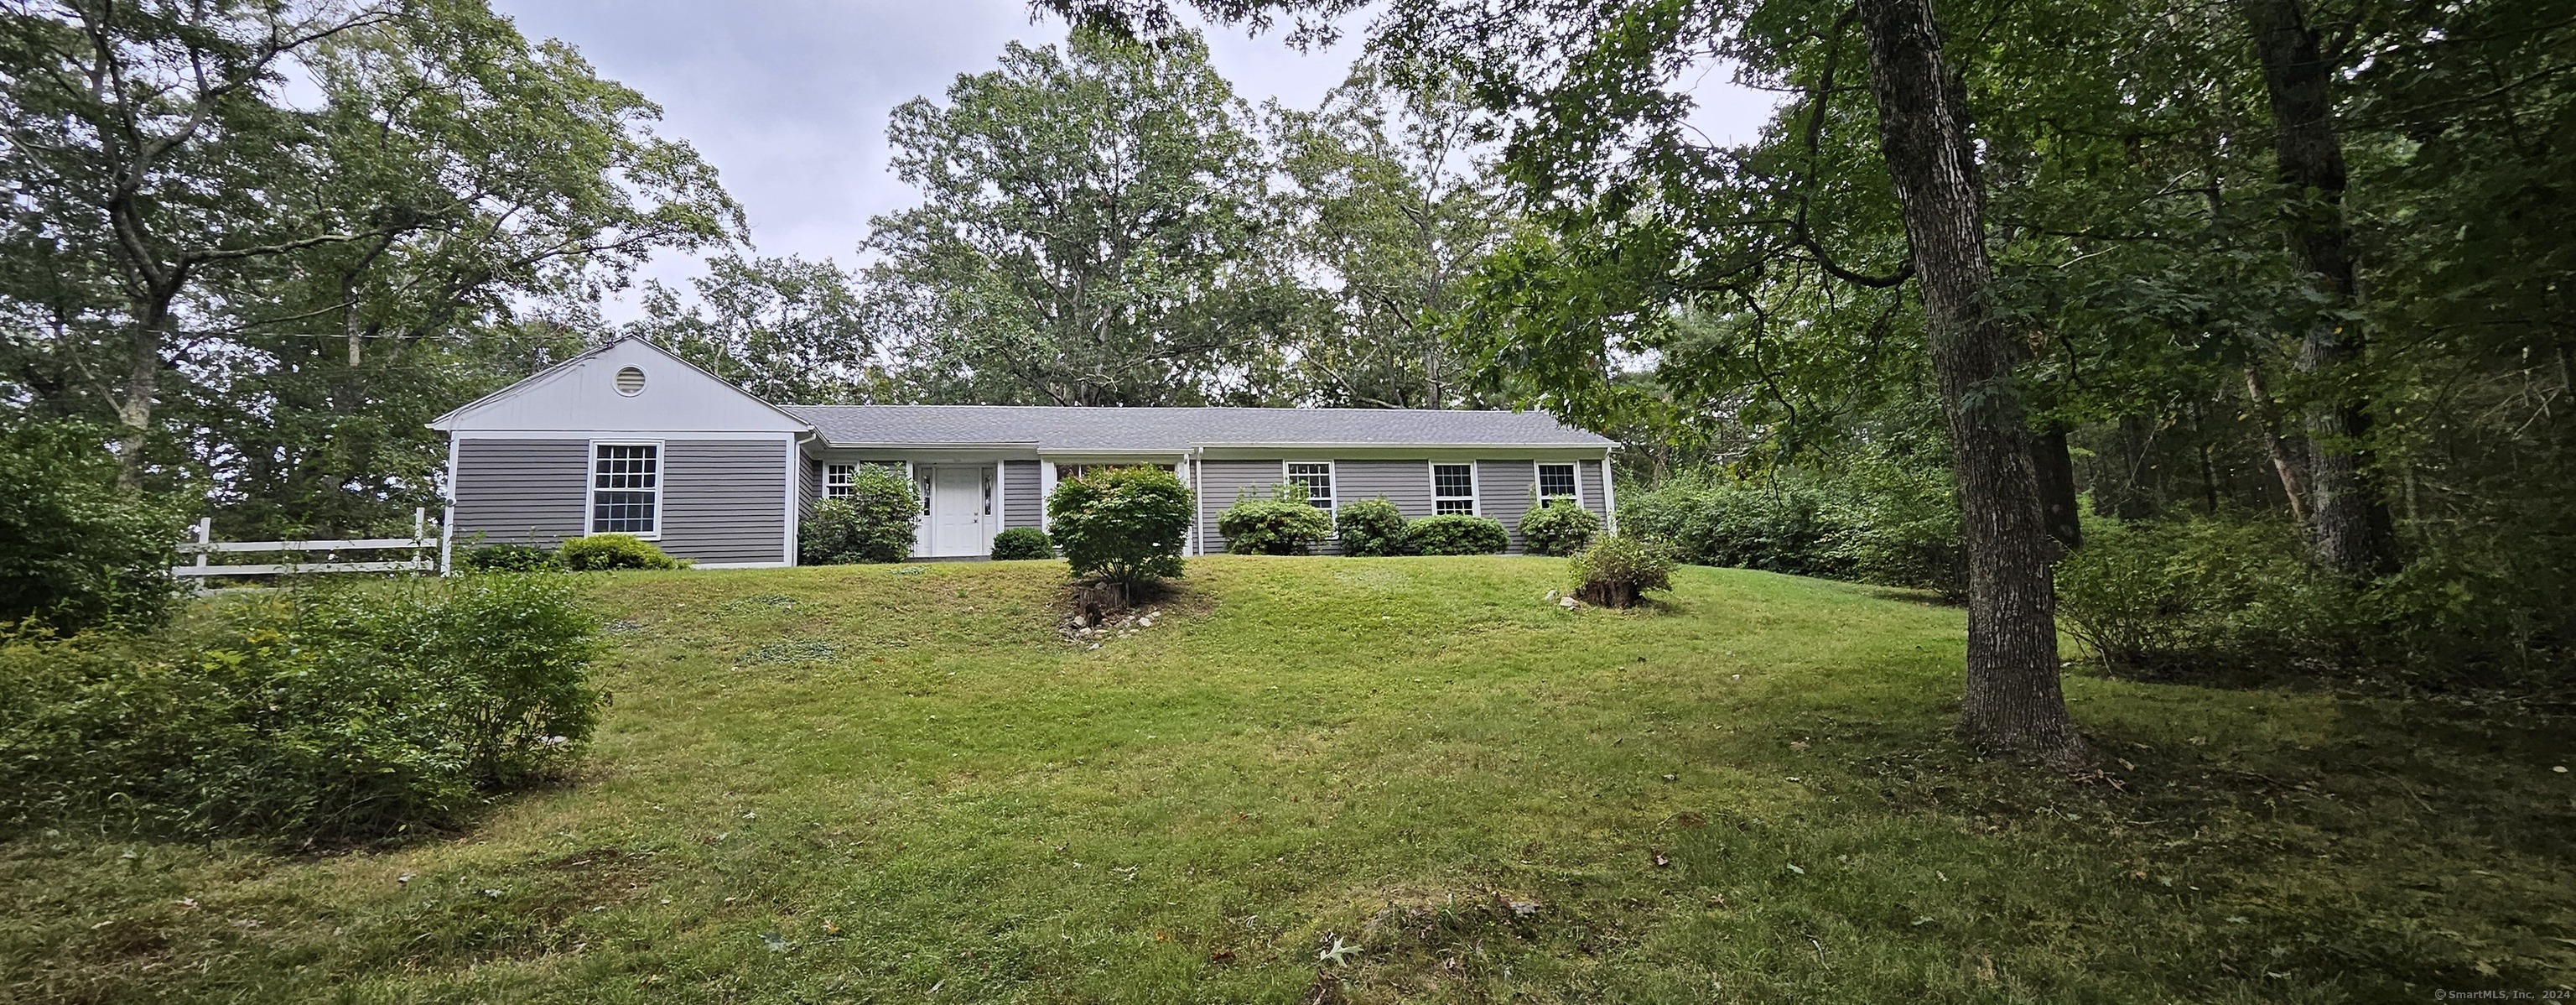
<point>424,546</point>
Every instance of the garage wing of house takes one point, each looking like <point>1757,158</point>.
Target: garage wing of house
<point>629,438</point>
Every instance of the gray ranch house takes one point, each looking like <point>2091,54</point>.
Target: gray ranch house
<point>629,438</point>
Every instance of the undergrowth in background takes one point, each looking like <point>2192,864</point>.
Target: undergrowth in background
<point>1368,781</point>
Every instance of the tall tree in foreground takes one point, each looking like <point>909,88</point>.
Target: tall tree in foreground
<point>1090,233</point>
<point>2013,699</point>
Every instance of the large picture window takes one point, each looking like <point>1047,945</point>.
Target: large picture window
<point>1453,489</point>
<point>1317,477</point>
<point>626,489</point>
<point>1556,481</point>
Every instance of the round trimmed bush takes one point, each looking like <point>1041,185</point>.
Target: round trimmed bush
<point>1283,523</point>
<point>1122,525</point>
<point>1613,572</point>
<point>874,523</point>
<point>600,552</point>
<point>1563,529</point>
<point>1371,527</point>
<point>1022,543</point>
<point>1458,534</point>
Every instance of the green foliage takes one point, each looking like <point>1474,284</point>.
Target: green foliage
<point>784,329</point>
<point>1616,570</point>
<point>1022,543</point>
<point>874,523</point>
<point>601,552</point>
<point>1122,525</point>
<point>1279,523</point>
<point>74,551</point>
<point>333,715</point>
<point>2163,597</point>
<point>1888,524</point>
<point>508,558</point>
<point>1562,529</point>
<point>1089,231</point>
<point>1371,527</point>
<point>1458,534</point>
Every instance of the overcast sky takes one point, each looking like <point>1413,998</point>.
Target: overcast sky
<point>789,98</point>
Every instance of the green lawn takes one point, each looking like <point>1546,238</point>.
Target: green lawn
<point>901,784</point>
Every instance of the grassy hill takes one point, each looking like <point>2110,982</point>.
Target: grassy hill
<point>904,784</point>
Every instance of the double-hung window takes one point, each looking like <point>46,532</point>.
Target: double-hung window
<point>626,489</point>
<point>837,480</point>
<point>1317,477</point>
<point>1453,489</point>
<point>1556,481</point>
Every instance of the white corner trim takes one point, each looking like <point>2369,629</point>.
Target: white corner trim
<point>1609,495</point>
<point>795,477</point>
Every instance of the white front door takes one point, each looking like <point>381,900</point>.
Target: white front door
<point>959,497</point>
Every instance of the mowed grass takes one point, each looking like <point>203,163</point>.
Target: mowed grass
<point>903,784</point>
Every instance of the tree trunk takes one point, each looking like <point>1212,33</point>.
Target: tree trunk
<point>2353,530</point>
<point>2054,466</point>
<point>2012,702</point>
<point>2285,462</point>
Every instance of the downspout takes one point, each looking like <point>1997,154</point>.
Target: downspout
<point>447,518</point>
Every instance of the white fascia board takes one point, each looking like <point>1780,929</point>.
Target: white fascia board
<point>1402,451</point>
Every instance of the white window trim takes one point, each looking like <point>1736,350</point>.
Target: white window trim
<point>590,485</point>
<point>1475,486</point>
<point>824,490</point>
<point>1538,497</point>
<point>1332,475</point>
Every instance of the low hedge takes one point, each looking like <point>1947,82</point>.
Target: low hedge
<point>1562,529</point>
<point>1371,527</point>
<point>1022,543</point>
<point>1458,534</point>
<point>1283,523</point>
<point>601,552</point>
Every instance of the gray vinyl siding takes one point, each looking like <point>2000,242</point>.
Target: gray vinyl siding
<point>809,489</point>
<point>1503,491</point>
<point>1407,484</point>
<point>1220,482</point>
<point>1587,480</point>
<point>725,500</point>
<point>521,491</point>
<point>1022,505</point>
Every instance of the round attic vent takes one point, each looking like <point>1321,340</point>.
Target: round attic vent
<point>630,382</point>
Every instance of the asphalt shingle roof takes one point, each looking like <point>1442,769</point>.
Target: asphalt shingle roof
<point>1142,429</point>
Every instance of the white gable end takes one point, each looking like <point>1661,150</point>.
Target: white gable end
<point>628,386</point>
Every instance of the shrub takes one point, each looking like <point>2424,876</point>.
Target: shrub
<point>1562,529</point>
<point>508,558</point>
<point>1371,527</point>
<point>874,523</point>
<point>1874,520</point>
<point>1458,534</point>
<point>600,552</point>
<point>1022,543</point>
<point>2206,595</point>
<point>1281,523</point>
<point>1123,525</point>
<point>74,550</point>
<point>331,715</point>
<point>1615,570</point>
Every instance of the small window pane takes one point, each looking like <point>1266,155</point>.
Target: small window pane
<point>1555,481</point>
<point>836,480</point>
